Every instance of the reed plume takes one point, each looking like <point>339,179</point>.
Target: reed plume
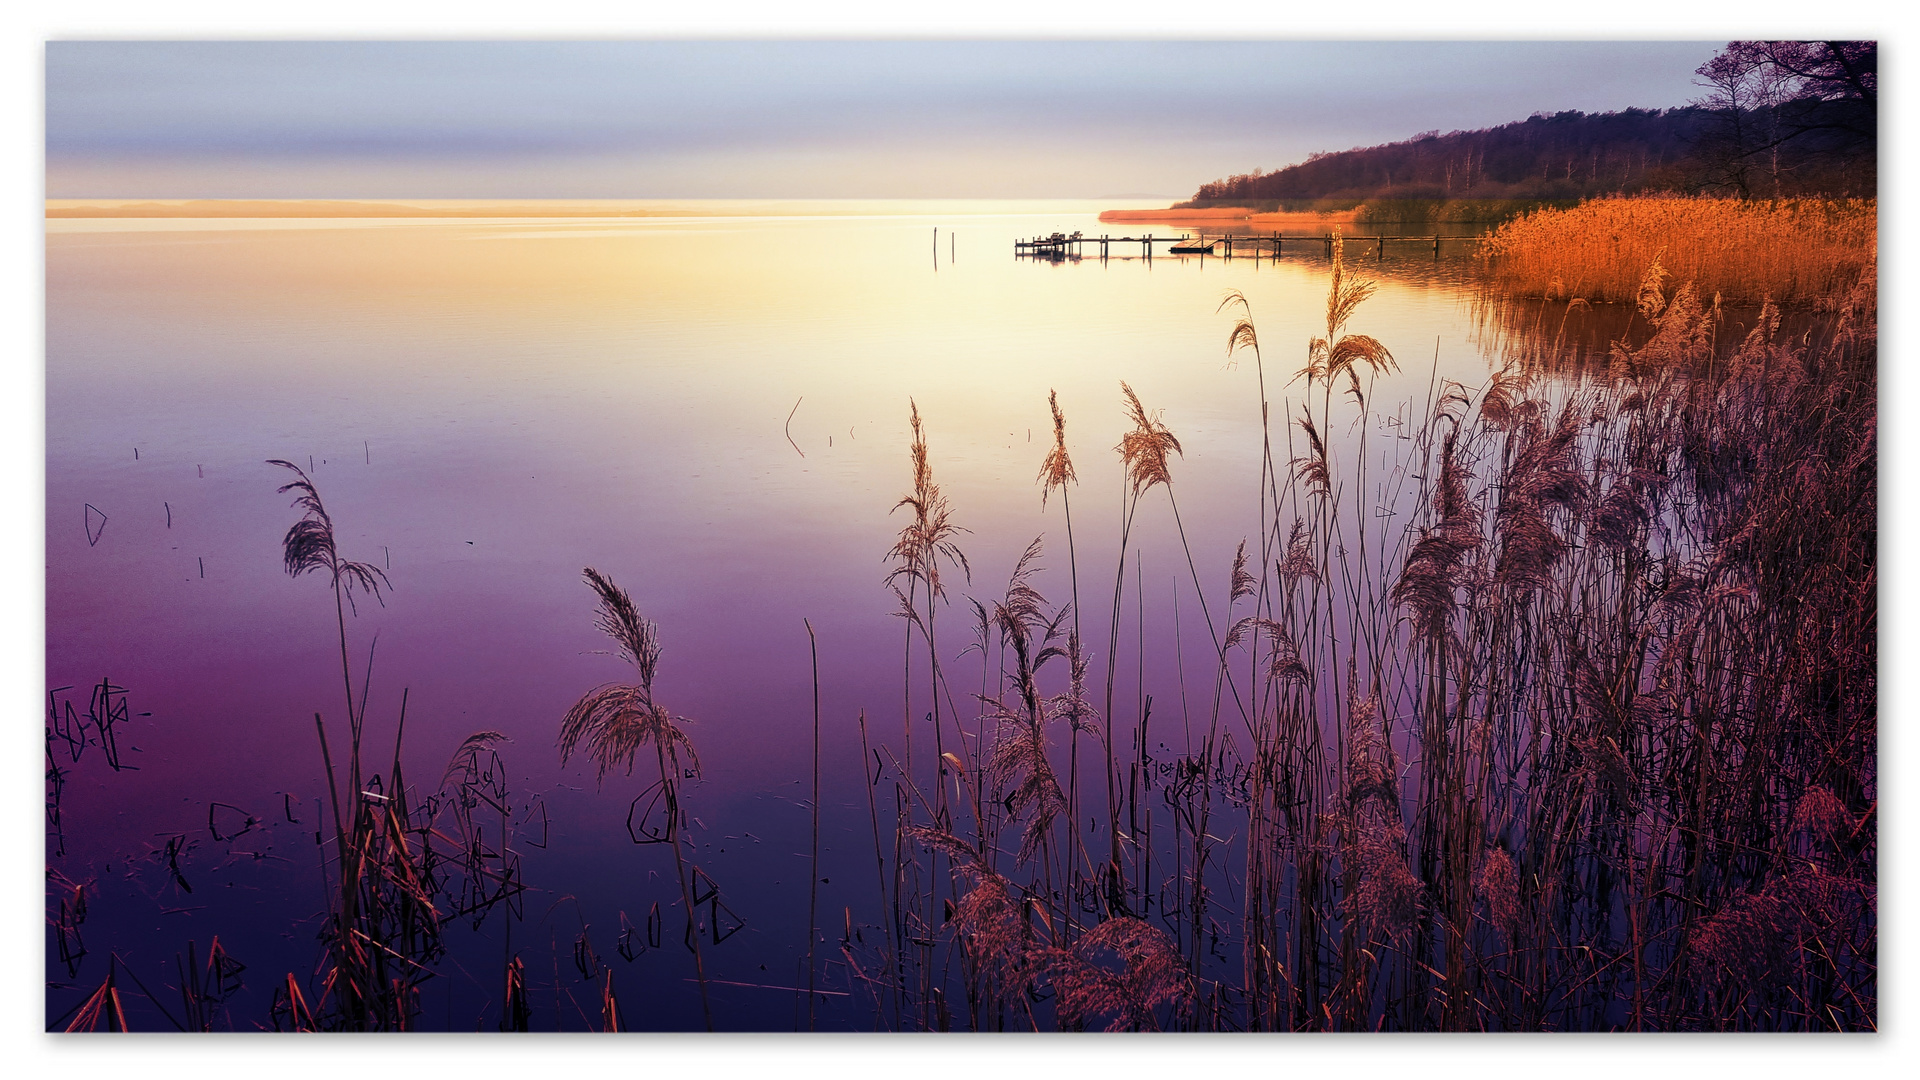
<point>1144,449</point>
<point>1151,975</point>
<point>309,547</point>
<point>931,536</point>
<point>1336,354</point>
<point>613,723</point>
<point>1056,470</point>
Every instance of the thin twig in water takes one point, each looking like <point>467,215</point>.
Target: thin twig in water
<point>789,427</point>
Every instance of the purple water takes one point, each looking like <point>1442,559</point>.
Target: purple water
<point>490,406</point>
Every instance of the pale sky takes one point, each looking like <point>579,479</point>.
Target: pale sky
<point>793,119</point>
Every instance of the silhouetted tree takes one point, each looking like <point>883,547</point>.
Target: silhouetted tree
<point>1803,115</point>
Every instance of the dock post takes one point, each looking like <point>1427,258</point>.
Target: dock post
<point>1436,244</point>
<point>1380,248</point>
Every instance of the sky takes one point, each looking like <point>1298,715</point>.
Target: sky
<point>784,119</point>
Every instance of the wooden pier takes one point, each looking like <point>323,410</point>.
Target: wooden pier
<point>1061,246</point>
<point>1073,246</point>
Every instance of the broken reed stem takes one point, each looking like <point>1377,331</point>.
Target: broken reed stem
<point>670,787</point>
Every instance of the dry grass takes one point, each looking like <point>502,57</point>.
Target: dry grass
<point>1792,251</point>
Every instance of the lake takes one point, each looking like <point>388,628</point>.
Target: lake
<point>711,406</point>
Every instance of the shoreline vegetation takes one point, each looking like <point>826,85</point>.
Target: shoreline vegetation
<point>1789,252</point>
<point>1585,738</point>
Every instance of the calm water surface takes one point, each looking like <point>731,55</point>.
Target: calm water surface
<point>713,409</point>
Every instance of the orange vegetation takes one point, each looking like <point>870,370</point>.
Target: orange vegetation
<point>1789,250</point>
<point>1307,217</point>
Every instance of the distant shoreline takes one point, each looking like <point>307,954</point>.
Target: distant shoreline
<point>134,208</point>
<point>340,208</point>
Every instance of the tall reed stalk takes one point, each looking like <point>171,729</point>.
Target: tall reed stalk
<point>616,722</point>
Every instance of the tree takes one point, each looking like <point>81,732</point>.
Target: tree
<point>1787,106</point>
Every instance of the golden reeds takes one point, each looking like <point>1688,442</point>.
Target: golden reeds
<point>1794,251</point>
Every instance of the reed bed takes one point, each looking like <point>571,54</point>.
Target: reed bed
<point>1587,745</point>
<point>1789,251</point>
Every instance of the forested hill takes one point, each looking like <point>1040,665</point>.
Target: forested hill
<point>1569,155</point>
<point>1549,158</point>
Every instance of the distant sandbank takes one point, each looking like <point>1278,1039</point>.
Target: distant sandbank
<point>1234,213</point>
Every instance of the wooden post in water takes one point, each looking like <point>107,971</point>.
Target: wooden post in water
<point>1436,243</point>
<point>1380,248</point>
